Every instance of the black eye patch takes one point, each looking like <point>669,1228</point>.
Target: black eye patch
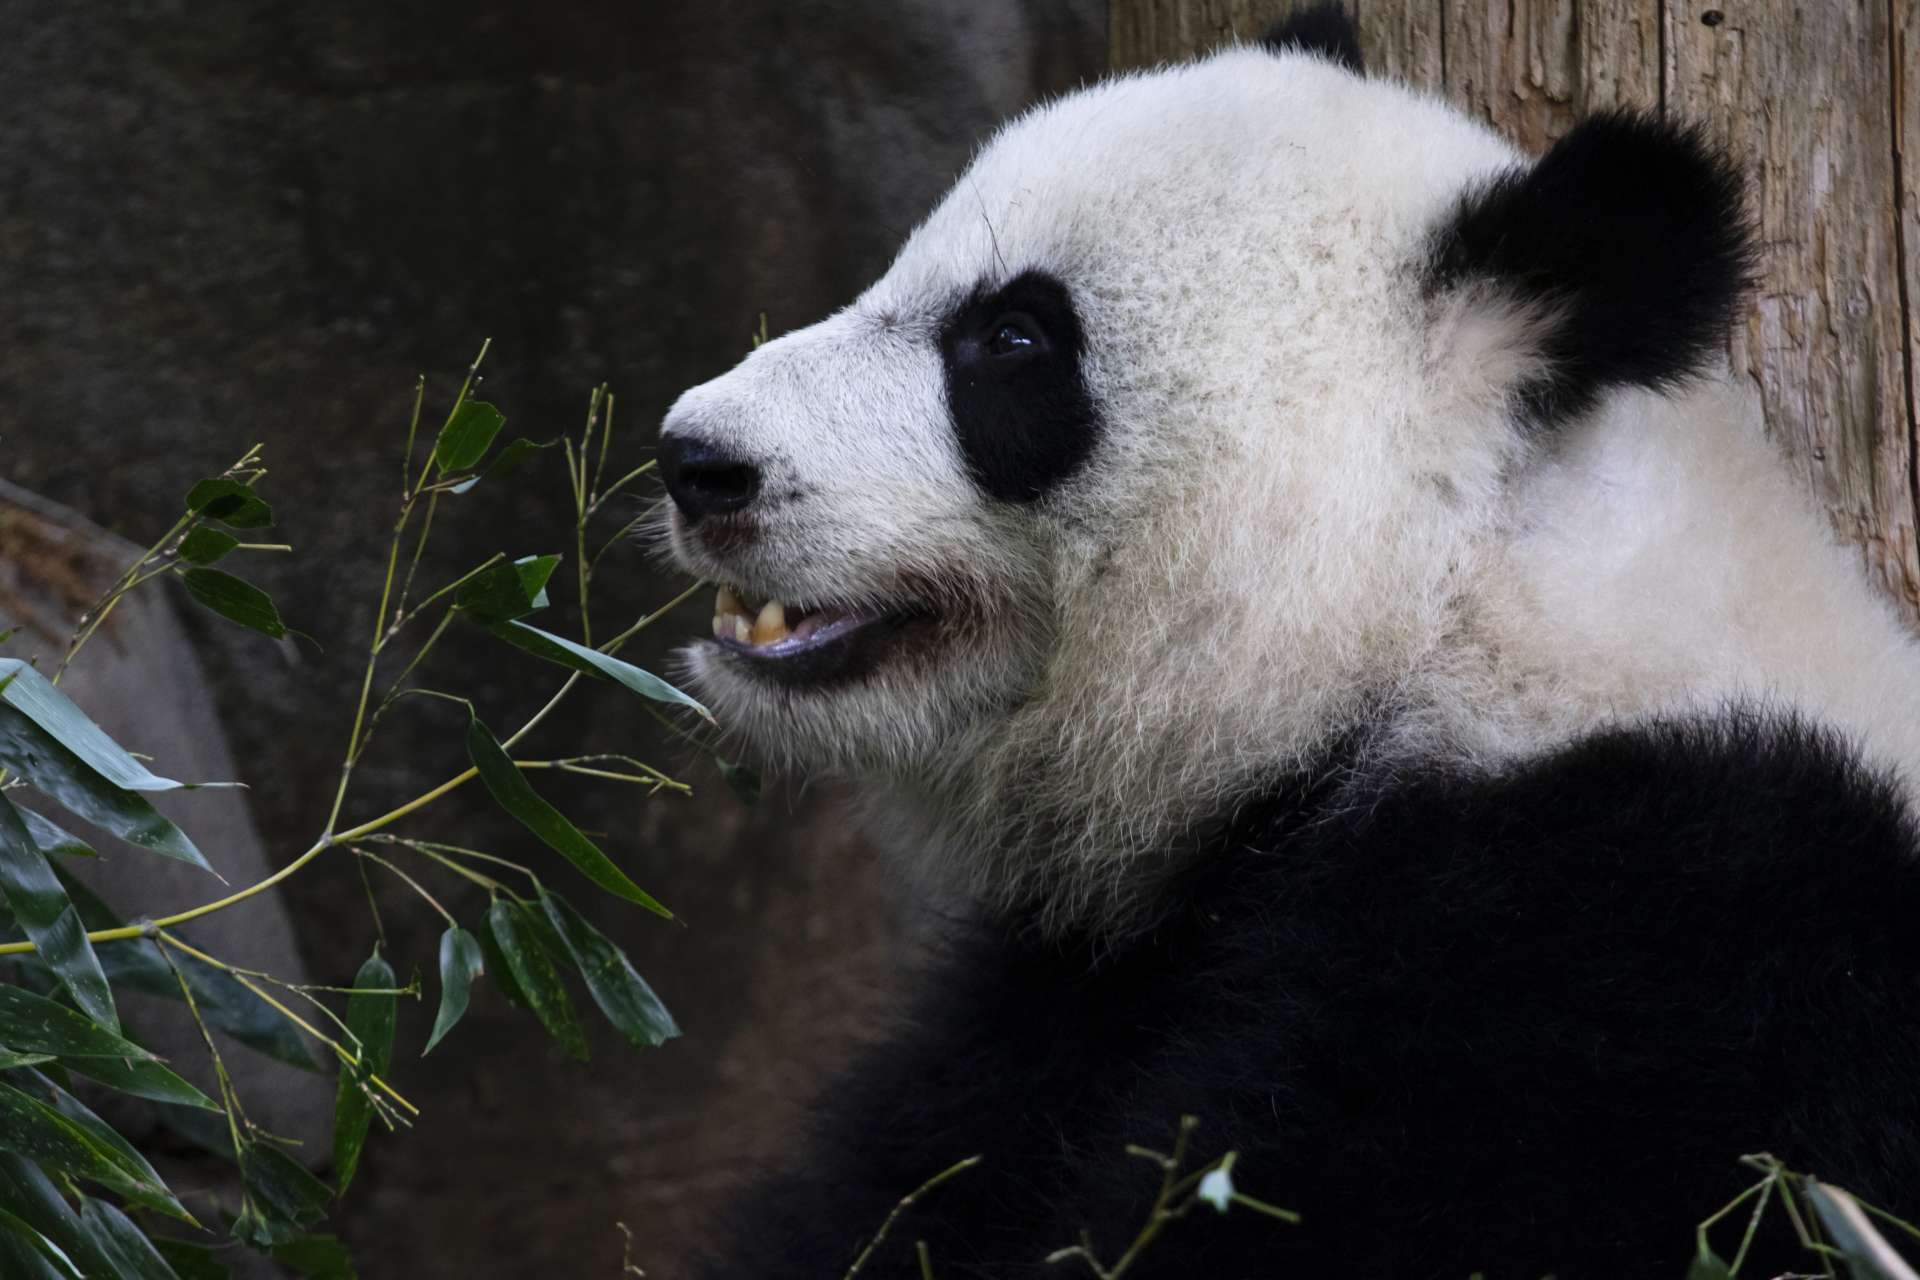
<point>1015,388</point>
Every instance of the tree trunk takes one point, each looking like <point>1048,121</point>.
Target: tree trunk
<point>1813,100</point>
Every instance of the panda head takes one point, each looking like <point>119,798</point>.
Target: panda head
<point>1152,465</point>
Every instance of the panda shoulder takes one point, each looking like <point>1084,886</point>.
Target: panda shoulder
<point>1746,825</point>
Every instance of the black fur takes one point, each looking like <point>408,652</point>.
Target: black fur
<point>1520,1025</point>
<point>1324,28</point>
<point>1632,233</point>
<point>1025,422</point>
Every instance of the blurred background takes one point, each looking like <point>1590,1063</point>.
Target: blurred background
<point>254,220</point>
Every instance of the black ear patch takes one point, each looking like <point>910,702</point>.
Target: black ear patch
<point>1324,28</point>
<point>1021,410</point>
<point>1632,237</point>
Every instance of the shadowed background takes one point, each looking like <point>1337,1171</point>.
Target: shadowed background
<point>231,222</point>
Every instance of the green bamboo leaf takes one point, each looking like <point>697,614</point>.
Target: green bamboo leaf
<point>467,435</point>
<point>230,502</point>
<point>1707,1265</point>
<point>511,790</point>
<point>370,1018</point>
<point>507,590</point>
<point>514,930</point>
<point>27,1193</point>
<point>497,967</point>
<point>32,1023</point>
<point>505,461</point>
<point>316,1258</point>
<point>461,962</point>
<point>148,1080</point>
<point>30,1128</point>
<point>64,778</point>
<point>235,600</point>
<point>224,1003</point>
<point>742,780</point>
<point>622,994</point>
<point>28,1242</point>
<point>9,1059</point>
<point>44,911</point>
<point>282,1198</point>
<point>126,1247</point>
<point>53,839</point>
<point>193,1261</point>
<point>205,546</point>
<point>594,663</point>
<point>1868,1254</point>
<point>35,697</point>
<point>143,1186</point>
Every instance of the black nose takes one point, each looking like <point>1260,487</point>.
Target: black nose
<point>705,480</point>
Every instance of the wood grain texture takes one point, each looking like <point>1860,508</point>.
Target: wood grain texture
<point>1815,98</point>
<point>1803,96</point>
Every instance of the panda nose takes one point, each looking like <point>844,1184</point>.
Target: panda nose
<point>704,479</point>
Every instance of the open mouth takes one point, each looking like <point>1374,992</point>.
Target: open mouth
<point>805,644</point>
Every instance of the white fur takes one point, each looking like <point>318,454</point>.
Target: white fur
<point>1310,506</point>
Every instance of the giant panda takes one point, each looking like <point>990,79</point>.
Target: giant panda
<point>1302,596</point>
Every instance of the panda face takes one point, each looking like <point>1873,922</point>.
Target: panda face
<point>1153,462</point>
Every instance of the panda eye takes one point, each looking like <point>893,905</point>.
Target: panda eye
<point>1014,335</point>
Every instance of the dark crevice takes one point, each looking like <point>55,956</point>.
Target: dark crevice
<point>1660,44</point>
<point>1896,95</point>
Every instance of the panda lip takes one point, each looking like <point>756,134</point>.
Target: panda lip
<point>803,644</point>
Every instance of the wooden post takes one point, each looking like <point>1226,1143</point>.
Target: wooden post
<point>1816,101</point>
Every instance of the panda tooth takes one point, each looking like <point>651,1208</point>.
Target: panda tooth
<point>726,601</point>
<point>742,629</point>
<point>771,625</point>
<point>722,625</point>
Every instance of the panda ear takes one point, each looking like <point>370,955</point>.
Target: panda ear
<point>1323,28</point>
<point>1628,248</point>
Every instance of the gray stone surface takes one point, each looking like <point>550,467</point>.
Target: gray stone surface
<point>234,221</point>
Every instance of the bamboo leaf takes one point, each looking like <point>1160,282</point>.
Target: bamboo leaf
<point>511,790</point>
<point>496,964</point>
<point>224,1003</point>
<point>518,938</point>
<point>467,435</point>
<point>316,1258</point>
<point>144,1186</point>
<point>9,1059</point>
<point>64,778</point>
<point>594,663</point>
<point>35,697</point>
<point>231,503</point>
<point>27,1193</point>
<point>126,1247</point>
<point>53,839</point>
<point>461,962</point>
<point>1868,1254</point>
<point>505,461</point>
<point>742,780</point>
<point>282,1198</point>
<point>192,1261</point>
<point>205,546</point>
<point>150,1080</point>
<point>370,1018</point>
<point>622,994</point>
<point>27,1241</point>
<point>32,1023</point>
<point>44,911</point>
<point>30,1128</point>
<point>1708,1265</point>
<point>235,600</point>
<point>507,590</point>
